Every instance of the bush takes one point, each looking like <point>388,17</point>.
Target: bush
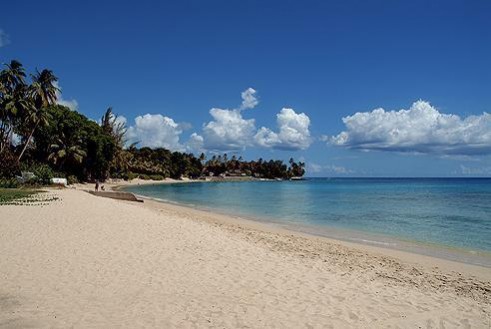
<point>59,174</point>
<point>156,177</point>
<point>9,183</point>
<point>72,179</point>
<point>128,176</point>
<point>9,166</point>
<point>43,173</point>
<point>144,176</point>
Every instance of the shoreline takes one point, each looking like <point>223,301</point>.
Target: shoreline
<point>360,239</point>
<point>234,221</point>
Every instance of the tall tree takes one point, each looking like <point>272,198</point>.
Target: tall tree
<point>42,92</point>
<point>13,100</point>
<point>116,129</point>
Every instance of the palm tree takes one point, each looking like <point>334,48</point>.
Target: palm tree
<point>42,92</point>
<point>65,151</point>
<point>116,129</point>
<point>12,100</point>
<point>12,77</point>
<point>43,89</point>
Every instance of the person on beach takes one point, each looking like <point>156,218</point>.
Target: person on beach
<point>97,185</point>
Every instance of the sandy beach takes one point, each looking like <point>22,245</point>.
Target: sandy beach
<point>89,262</point>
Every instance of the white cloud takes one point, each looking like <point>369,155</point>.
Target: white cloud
<point>421,129</point>
<point>185,125</point>
<point>155,130</point>
<point>4,38</point>
<point>120,120</point>
<point>195,143</point>
<point>293,132</point>
<point>315,168</point>
<point>475,171</point>
<point>71,104</point>
<point>228,131</point>
<point>249,100</point>
<point>265,137</point>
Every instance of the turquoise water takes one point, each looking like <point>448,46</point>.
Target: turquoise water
<point>447,212</point>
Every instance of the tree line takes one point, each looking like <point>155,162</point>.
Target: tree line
<point>37,134</point>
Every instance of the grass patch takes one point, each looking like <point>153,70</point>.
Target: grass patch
<point>27,197</point>
<point>8,195</point>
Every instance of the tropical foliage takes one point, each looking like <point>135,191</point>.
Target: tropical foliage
<point>74,145</point>
<point>39,135</point>
<point>222,165</point>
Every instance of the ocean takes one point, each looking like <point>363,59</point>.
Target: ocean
<point>447,216</point>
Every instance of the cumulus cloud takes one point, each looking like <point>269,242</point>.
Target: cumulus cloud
<point>4,38</point>
<point>195,143</point>
<point>293,134</point>
<point>71,104</point>
<point>120,120</point>
<point>249,99</point>
<point>420,129</point>
<point>155,130</point>
<point>229,130</point>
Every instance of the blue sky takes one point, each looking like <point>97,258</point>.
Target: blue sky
<point>309,63</point>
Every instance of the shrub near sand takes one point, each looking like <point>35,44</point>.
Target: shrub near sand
<point>26,197</point>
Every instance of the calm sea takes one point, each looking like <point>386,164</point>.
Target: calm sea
<point>453,213</point>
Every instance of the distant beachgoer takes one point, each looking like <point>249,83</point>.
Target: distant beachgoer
<point>97,185</point>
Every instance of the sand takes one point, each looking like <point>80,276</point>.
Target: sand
<point>89,262</point>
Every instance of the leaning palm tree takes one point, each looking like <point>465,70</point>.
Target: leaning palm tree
<point>42,92</point>
<point>114,127</point>
<point>107,121</point>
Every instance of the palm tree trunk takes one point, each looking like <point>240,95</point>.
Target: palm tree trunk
<point>3,136</point>
<point>27,142</point>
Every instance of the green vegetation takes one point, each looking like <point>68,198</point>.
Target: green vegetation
<point>8,196</point>
<point>50,140</point>
<point>25,197</point>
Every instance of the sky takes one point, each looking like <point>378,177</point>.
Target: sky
<point>352,88</point>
